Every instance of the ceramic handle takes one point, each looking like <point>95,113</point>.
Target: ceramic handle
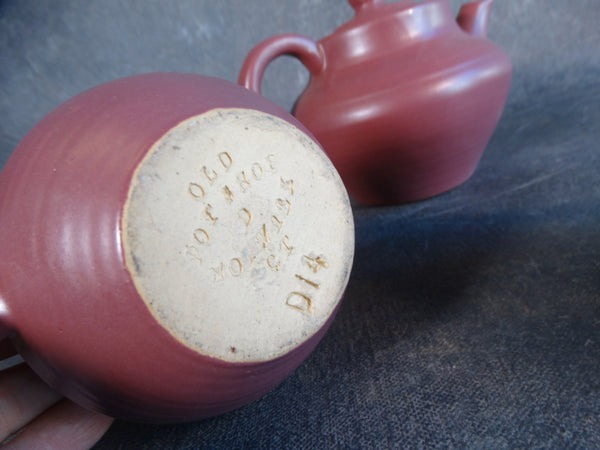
<point>473,17</point>
<point>360,5</point>
<point>5,327</point>
<point>303,48</point>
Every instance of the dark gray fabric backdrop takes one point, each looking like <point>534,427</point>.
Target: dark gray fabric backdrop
<point>472,319</point>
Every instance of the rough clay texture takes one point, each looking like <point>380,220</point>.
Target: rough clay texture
<point>471,320</point>
<point>238,234</point>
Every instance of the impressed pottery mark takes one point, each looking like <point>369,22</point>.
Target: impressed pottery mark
<point>238,234</point>
<point>226,186</point>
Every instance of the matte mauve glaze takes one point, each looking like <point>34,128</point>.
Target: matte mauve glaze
<point>404,98</point>
<point>66,296</point>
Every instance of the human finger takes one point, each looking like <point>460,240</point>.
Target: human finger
<point>23,396</point>
<point>64,425</point>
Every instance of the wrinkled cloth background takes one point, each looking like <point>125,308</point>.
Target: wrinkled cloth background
<point>471,319</point>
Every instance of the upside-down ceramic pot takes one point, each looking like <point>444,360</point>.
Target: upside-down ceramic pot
<point>172,246</point>
<point>404,97</point>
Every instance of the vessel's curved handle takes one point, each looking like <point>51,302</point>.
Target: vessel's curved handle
<point>473,17</point>
<point>303,48</point>
<point>5,327</point>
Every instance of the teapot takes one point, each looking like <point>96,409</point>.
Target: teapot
<point>172,246</point>
<point>404,97</point>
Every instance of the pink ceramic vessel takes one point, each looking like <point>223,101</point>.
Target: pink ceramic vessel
<point>404,97</point>
<point>166,252</point>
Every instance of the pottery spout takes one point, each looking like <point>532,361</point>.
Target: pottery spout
<point>473,17</point>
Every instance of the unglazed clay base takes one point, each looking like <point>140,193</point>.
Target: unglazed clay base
<point>238,235</point>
